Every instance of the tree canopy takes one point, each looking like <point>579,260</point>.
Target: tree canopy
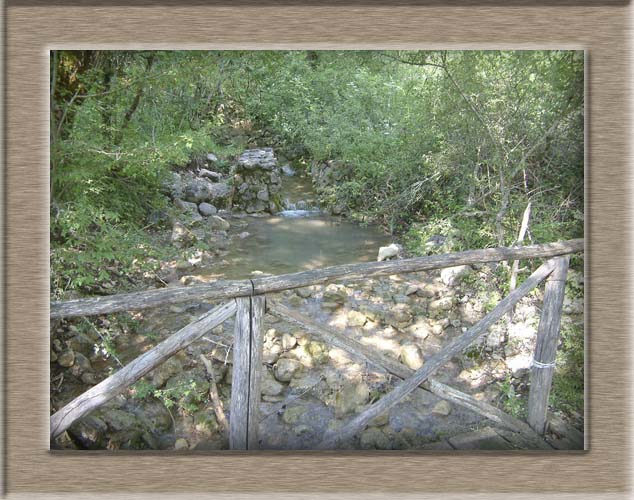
<point>428,141</point>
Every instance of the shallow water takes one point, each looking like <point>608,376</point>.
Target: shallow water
<point>278,245</point>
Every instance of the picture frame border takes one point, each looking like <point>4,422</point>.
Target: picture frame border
<point>33,27</point>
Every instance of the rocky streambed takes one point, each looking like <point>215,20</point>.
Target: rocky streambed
<point>308,387</point>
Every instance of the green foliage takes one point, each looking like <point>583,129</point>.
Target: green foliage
<point>512,402</point>
<point>568,381</point>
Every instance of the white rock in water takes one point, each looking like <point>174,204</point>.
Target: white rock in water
<point>451,275</point>
<point>388,252</point>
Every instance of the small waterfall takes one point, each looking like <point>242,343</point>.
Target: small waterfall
<point>298,209</point>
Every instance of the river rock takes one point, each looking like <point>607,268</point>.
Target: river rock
<point>181,236</point>
<point>350,397</point>
<point>166,370</point>
<point>399,316</point>
<point>90,432</point>
<point>285,368</point>
<point>66,358</point>
<point>209,174</point>
<point>452,275</point>
<point>82,362</point>
<point>119,420</point>
<point>293,414</point>
<point>436,307</point>
<point>374,439</point>
<point>356,318</point>
<point>206,209</point>
<point>288,341</point>
<point>270,386</point>
<point>411,290</point>
<point>217,222</point>
<point>411,356</point>
<point>305,292</point>
<point>181,444</point>
<point>389,252</point>
<point>335,293</point>
<point>442,409</point>
<point>271,353</point>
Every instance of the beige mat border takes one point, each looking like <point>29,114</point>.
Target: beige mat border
<point>33,29</point>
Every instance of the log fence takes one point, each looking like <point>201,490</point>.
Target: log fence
<point>247,301</point>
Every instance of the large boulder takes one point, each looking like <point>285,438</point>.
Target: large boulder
<point>199,190</point>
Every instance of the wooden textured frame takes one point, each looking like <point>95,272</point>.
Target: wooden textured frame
<point>34,27</point>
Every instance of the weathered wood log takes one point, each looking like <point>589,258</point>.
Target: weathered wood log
<point>247,366</point>
<point>546,346</point>
<point>405,387</point>
<point>528,435</point>
<point>150,298</point>
<point>113,385</point>
<point>390,365</point>
<point>271,284</point>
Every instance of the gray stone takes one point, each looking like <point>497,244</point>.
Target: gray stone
<point>350,397</point>
<point>452,275</point>
<point>304,292</point>
<point>356,318</point>
<point>442,409</point>
<point>211,157</point>
<point>207,209</point>
<point>82,362</point>
<point>90,431</point>
<point>119,420</point>
<point>288,341</point>
<point>263,194</point>
<point>437,306</point>
<point>258,158</point>
<point>270,386</point>
<point>66,358</point>
<point>166,370</point>
<point>181,444</point>
<point>293,414</point>
<point>181,236</point>
<point>411,356</point>
<point>374,439</point>
<point>217,222</point>
<point>285,368</point>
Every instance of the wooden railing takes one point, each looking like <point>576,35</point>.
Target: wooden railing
<point>247,300</point>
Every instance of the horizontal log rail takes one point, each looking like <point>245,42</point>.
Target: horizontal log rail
<point>272,284</point>
<point>128,375</point>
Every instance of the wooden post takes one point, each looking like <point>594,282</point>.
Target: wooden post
<point>247,367</point>
<point>546,346</point>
